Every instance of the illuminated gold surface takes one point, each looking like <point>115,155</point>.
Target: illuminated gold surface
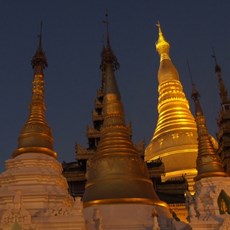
<point>180,210</point>
<point>116,173</point>
<point>36,135</point>
<point>162,45</point>
<point>175,174</point>
<point>127,200</point>
<point>175,136</point>
<point>208,161</point>
<point>35,150</point>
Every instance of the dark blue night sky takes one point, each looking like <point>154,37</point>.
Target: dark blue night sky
<point>73,35</point>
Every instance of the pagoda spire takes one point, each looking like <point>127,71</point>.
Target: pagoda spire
<point>223,120</point>
<point>116,173</point>
<point>222,89</point>
<point>36,136</point>
<point>208,161</point>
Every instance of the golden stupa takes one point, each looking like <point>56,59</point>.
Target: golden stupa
<point>116,173</point>
<point>175,138</point>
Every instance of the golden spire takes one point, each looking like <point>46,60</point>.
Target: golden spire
<point>175,136</point>
<point>107,53</point>
<point>162,45</point>
<point>116,173</point>
<point>208,161</point>
<point>36,136</point>
<point>167,70</point>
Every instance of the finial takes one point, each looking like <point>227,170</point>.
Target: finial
<point>40,36</point>
<point>39,61</point>
<point>217,67</point>
<point>107,53</point>
<point>162,45</point>
<point>195,96</point>
<point>106,21</point>
<point>158,25</point>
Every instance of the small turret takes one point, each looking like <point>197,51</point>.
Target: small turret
<point>208,161</point>
<point>223,121</point>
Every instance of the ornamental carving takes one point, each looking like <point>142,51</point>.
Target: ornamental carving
<point>224,203</point>
<point>57,211</point>
<point>35,127</point>
<point>16,216</point>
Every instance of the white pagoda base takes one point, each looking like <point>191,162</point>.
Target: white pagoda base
<point>209,208</point>
<point>34,195</point>
<point>130,216</point>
